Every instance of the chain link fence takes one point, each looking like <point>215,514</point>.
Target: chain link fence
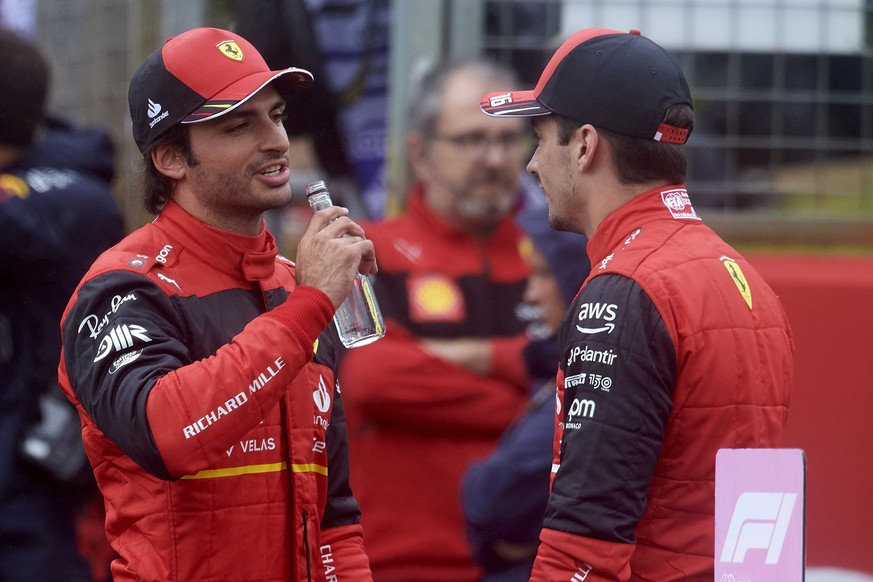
<point>783,145</point>
<point>783,93</point>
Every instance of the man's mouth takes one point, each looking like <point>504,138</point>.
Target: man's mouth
<point>273,170</point>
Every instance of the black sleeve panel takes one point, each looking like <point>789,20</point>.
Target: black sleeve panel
<point>492,301</point>
<point>619,368</point>
<point>341,507</point>
<point>120,337</point>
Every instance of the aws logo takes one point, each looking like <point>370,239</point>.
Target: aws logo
<point>597,317</point>
<point>738,278</point>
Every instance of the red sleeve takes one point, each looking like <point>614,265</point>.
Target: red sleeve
<point>564,556</point>
<point>507,362</point>
<point>182,420</point>
<point>394,381</point>
<point>342,554</point>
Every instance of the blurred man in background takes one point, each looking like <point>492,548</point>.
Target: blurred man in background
<point>439,389</point>
<point>505,494</point>
<point>56,215</point>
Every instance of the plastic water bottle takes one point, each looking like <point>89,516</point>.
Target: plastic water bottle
<point>358,320</point>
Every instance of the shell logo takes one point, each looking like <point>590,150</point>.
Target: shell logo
<point>435,298</point>
<point>11,185</point>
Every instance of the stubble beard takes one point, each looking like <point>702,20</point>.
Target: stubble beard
<point>492,210</point>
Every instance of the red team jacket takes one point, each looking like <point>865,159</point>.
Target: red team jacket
<point>674,348</point>
<point>416,421</point>
<point>245,480</point>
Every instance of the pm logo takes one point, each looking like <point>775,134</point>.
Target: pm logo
<point>759,522</point>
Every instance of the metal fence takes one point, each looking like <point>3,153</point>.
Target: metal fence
<point>783,145</point>
<point>783,94</point>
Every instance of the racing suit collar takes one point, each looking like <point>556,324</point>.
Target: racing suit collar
<point>622,222</point>
<point>227,252</point>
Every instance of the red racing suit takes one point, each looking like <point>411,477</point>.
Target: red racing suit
<point>205,384</point>
<point>416,422</point>
<point>674,348</point>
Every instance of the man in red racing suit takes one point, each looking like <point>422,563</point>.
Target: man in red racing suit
<point>674,348</point>
<point>204,375</point>
<point>662,363</point>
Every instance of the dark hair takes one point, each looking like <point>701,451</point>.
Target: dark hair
<point>157,187</point>
<point>26,79</point>
<point>637,160</point>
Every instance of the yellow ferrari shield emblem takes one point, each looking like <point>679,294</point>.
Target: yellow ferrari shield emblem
<point>739,279</point>
<point>230,49</point>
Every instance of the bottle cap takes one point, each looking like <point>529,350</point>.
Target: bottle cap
<point>315,187</point>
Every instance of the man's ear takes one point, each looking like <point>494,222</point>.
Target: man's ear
<point>586,144</point>
<point>168,162</point>
<point>415,153</point>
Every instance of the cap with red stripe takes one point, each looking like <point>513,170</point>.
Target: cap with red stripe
<point>618,81</point>
<point>198,75</point>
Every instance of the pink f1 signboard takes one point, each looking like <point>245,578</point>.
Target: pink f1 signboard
<point>760,515</point>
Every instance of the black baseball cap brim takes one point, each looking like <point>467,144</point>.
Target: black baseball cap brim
<point>618,81</point>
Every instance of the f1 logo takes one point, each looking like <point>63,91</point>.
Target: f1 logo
<point>760,521</point>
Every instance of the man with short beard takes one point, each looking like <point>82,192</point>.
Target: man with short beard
<point>201,362</point>
<point>438,390</point>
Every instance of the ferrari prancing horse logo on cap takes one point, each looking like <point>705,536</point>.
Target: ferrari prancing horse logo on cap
<point>230,49</point>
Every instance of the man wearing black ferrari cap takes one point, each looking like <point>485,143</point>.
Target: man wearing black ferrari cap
<point>674,348</point>
<point>202,364</point>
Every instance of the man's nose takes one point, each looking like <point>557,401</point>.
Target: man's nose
<point>532,166</point>
<point>276,138</point>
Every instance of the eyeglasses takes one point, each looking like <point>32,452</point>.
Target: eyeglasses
<point>476,144</point>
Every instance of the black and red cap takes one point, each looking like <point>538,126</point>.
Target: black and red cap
<point>198,75</point>
<point>618,81</point>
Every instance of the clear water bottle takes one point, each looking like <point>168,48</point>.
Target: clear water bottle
<point>359,319</point>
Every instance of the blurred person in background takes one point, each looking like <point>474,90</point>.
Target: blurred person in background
<point>201,362</point>
<point>448,377</point>
<point>505,494</point>
<point>56,215</point>
<point>674,348</point>
<point>345,44</point>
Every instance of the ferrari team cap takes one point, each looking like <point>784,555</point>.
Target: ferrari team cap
<point>618,81</point>
<point>199,75</point>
